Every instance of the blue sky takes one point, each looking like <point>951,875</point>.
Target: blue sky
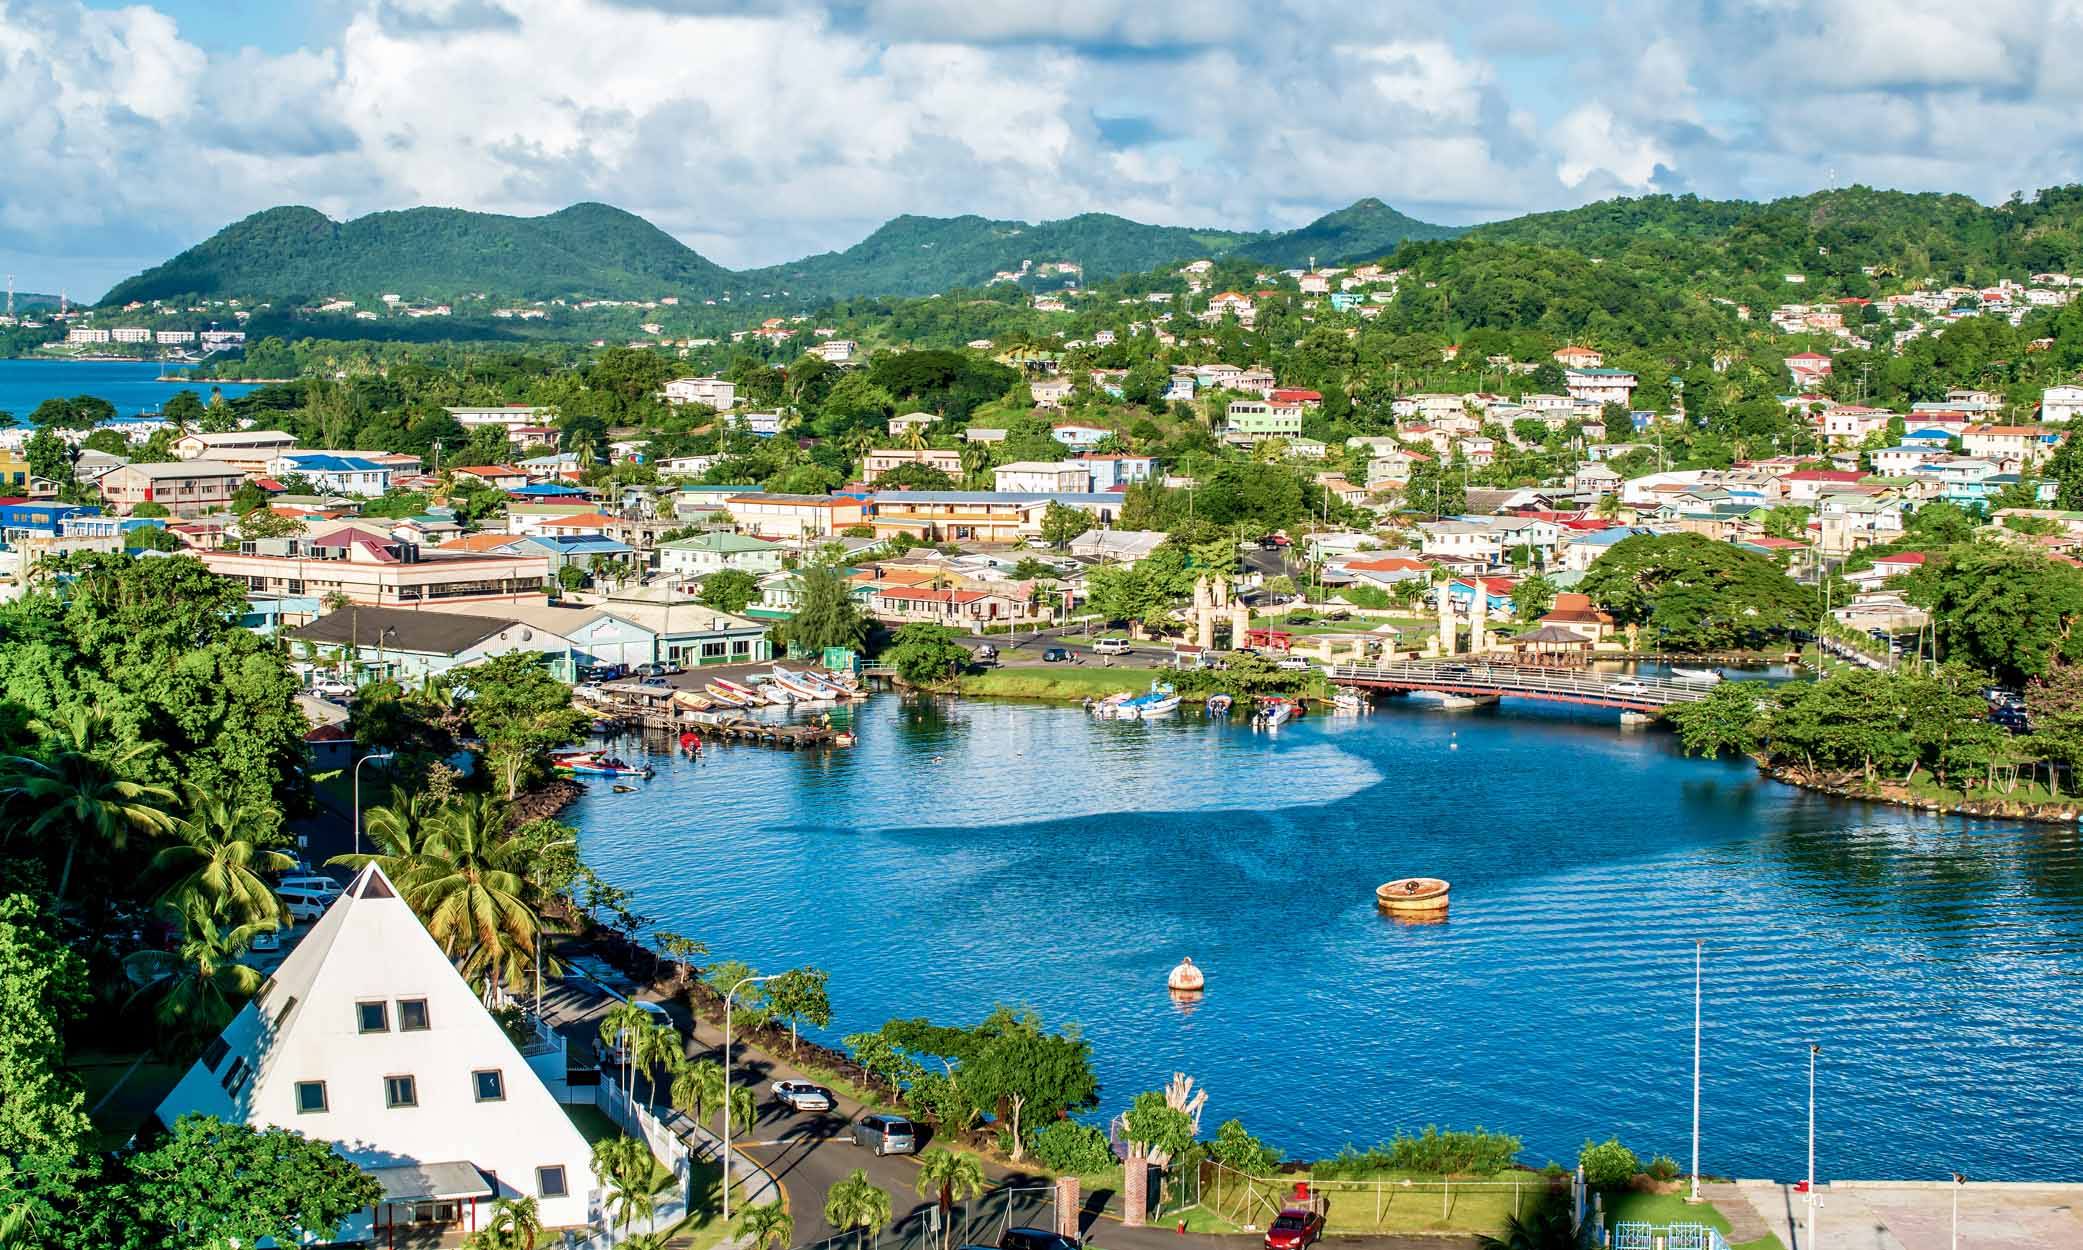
<point>760,130</point>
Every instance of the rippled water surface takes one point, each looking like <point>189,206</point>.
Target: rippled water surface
<point>966,854</point>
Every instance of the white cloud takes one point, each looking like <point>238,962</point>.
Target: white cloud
<point>762,131</point>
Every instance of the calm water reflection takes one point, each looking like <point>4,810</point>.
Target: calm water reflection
<point>970,853</point>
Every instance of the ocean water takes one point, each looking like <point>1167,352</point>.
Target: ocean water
<point>970,853</point>
<point>132,386</point>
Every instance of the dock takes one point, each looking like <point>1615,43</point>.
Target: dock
<point>763,733</point>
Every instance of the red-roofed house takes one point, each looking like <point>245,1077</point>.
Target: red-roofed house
<point>1808,368</point>
<point>955,607</point>
<point>497,476</point>
<point>1580,357</point>
<point>1292,395</point>
<point>1885,567</point>
<point>1808,485</point>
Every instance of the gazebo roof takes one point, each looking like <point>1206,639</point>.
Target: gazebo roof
<point>1552,633</point>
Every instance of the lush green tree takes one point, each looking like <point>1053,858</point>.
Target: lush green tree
<point>2005,611</point>
<point>1607,1163</point>
<point>1727,721</point>
<point>624,1166</point>
<point>1546,1227</point>
<point>799,997</point>
<point>827,614</point>
<point>183,407</point>
<point>1237,1149</point>
<point>522,711</point>
<point>227,1185</point>
<point>512,1224</point>
<point>472,884</point>
<point>1034,1075</point>
<point>854,1204</point>
<point>914,476</point>
<point>1061,523</point>
<point>730,590</point>
<point>78,792</point>
<point>925,654</point>
<point>196,988</point>
<point>49,456</point>
<point>1532,597</point>
<point>1697,594</point>
<point>697,1085</point>
<point>947,1178</point>
<point>43,1116</point>
<point>1436,489</point>
<point>1162,1130</point>
<point>219,863</point>
<point>1067,1146</point>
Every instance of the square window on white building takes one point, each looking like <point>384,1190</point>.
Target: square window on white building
<point>310,1097</point>
<point>550,1182</point>
<point>412,1015</point>
<point>400,1091</point>
<point>491,1085</point>
<point>373,1017</point>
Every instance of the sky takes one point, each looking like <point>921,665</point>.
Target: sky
<point>761,130</point>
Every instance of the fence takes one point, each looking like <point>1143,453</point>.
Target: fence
<point>981,1221</point>
<point>678,1144</point>
<point>1372,1206</point>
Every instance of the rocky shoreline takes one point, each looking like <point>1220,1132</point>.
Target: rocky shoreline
<point>1895,796</point>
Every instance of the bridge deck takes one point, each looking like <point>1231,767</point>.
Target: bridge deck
<point>1474,677</point>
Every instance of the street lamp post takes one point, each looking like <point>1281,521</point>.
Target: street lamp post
<point>1698,946</point>
<point>1959,1179</point>
<point>538,937</point>
<point>373,755</point>
<point>1812,1050</point>
<point>727,1000</point>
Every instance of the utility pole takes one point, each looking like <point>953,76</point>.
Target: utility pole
<point>1812,1051</point>
<point>1699,946</point>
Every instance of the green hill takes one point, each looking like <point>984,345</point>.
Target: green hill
<point>294,254</point>
<point>919,255</point>
<point>299,253</point>
<point>1366,230</point>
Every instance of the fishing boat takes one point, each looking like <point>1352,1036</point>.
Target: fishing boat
<point>1274,712</point>
<point>1162,700</point>
<point>610,767</point>
<point>843,738</point>
<point>728,698</point>
<point>801,687</point>
<point>1348,700</point>
<point>694,702</point>
<point>1218,705</point>
<point>746,696</point>
<point>1113,707</point>
<point>1696,676</point>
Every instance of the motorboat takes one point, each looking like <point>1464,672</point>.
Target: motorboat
<point>1349,700</point>
<point>728,698</point>
<point>1162,700</point>
<point>1219,705</point>
<point>746,696</point>
<point>1695,676</point>
<point>1113,707</point>
<point>802,687</point>
<point>606,767</point>
<point>1274,712</point>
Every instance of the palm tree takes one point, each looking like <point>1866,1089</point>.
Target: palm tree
<point>856,1203</point>
<point>1546,1228</point>
<point>915,436</point>
<point>219,863</point>
<point>948,1178</point>
<point>624,1165</point>
<point>199,986</point>
<point>767,1227</point>
<point>652,1046</point>
<point>697,1086</point>
<point>81,790</point>
<point>976,457</point>
<point>743,1109</point>
<point>619,1030</point>
<point>473,890</point>
<point>514,1224</point>
<point>857,443</point>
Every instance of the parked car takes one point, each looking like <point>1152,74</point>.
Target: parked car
<point>886,1134</point>
<point>1055,655</point>
<point>265,941</point>
<point>658,1015</point>
<point>803,1096</point>
<point>986,654</point>
<point>1293,1229</point>
<point>308,881</point>
<point>1035,1239</point>
<point>1111,646</point>
<point>604,672</point>
<point>332,688</point>
<point>1294,664</point>
<point>658,670</point>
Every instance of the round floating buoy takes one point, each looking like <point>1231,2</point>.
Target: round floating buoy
<point>1186,979</point>
<point>1412,894</point>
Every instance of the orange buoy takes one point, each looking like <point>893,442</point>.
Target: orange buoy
<point>1412,894</point>
<point>1186,979</point>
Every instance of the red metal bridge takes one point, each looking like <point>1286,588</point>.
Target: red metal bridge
<point>1478,678</point>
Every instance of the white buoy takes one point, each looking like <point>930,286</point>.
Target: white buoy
<point>1186,979</point>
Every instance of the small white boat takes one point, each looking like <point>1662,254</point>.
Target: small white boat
<point>1348,701</point>
<point>1695,676</point>
<point>801,690</point>
<point>1633,720</point>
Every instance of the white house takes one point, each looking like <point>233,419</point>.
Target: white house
<point>704,554</point>
<point>334,474</point>
<point>715,392</point>
<point>1045,477</point>
<point>1599,386</point>
<point>506,415</point>
<point>367,1038</point>
<point>2061,404</point>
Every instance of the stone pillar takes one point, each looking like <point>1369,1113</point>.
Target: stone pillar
<point>1135,1189</point>
<point>1240,622</point>
<point>1222,591</point>
<point>1479,618</point>
<point>1446,618</point>
<point>1068,1200</point>
<point>1204,628</point>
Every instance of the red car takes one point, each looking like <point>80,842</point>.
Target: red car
<point>1294,1229</point>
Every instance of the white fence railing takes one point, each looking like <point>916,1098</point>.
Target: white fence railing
<point>677,1143</point>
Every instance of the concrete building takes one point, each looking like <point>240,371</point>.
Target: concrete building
<point>1043,476</point>
<point>794,517</point>
<point>373,568</point>
<point>507,416</point>
<point>883,459</point>
<point>408,646</point>
<point>249,451</point>
<point>712,553</point>
<point>367,1039</point>
<point>185,488</point>
<point>713,391</point>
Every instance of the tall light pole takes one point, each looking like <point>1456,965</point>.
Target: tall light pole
<point>727,1000</point>
<point>1812,1050</point>
<point>1959,1179</point>
<point>538,937</point>
<point>1698,946</point>
<point>374,755</point>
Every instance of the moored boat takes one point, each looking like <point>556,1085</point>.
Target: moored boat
<point>1219,705</point>
<point>728,698</point>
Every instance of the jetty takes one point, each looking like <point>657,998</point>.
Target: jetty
<point>763,733</point>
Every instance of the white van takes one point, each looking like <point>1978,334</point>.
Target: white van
<point>1110,646</point>
<point>305,903</point>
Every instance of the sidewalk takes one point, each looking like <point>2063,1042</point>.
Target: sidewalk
<point>1913,1215</point>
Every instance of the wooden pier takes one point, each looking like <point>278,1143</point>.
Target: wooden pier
<point>762,733</point>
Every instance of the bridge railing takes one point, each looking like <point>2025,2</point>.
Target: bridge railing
<point>1476,675</point>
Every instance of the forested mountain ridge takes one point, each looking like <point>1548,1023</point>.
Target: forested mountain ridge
<point>297,254</point>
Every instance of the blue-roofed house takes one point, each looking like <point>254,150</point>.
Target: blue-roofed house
<point>579,550</point>
<point>333,474</point>
<point>1579,551</point>
<point>539,491</point>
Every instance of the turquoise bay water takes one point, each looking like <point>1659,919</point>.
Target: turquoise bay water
<point>132,386</point>
<point>970,853</point>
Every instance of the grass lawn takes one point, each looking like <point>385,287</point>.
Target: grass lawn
<point>595,1127</point>
<point>137,1093</point>
<point>1062,683</point>
<point>1666,1209</point>
<point>1392,1203</point>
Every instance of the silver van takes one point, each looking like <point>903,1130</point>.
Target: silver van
<point>305,902</point>
<point>885,1134</point>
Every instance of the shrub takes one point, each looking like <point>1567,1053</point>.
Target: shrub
<point>1663,1168</point>
<point>1235,1148</point>
<point>1608,1163</point>
<point>1453,1151</point>
<point>1068,1146</point>
<point>1351,1164</point>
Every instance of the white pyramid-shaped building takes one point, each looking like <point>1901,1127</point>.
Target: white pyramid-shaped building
<point>369,1039</point>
